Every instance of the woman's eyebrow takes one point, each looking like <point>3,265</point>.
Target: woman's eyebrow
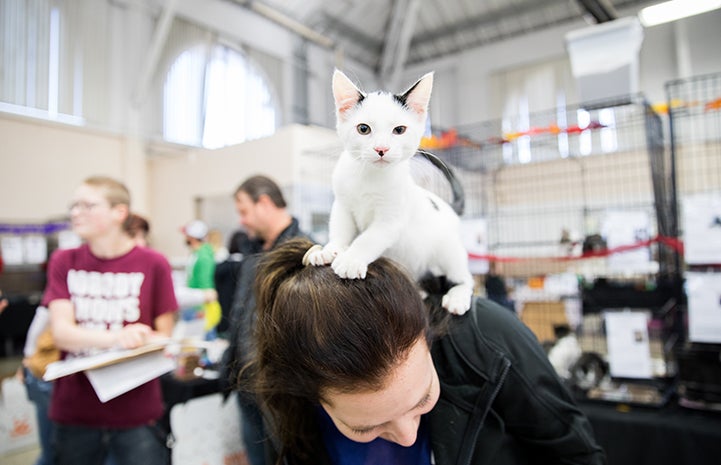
<point>418,405</point>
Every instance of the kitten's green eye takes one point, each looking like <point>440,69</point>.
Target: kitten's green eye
<point>363,129</point>
<point>399,130</point>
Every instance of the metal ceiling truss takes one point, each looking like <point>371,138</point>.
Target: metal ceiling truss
<point>601,10</point>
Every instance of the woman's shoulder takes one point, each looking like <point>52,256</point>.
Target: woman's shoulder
<point>150,256</point>
<point>66,254</point>
<point>489,329</point>
<point>491,320</point>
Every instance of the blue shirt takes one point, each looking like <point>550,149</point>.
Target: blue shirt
<point>344,451</point>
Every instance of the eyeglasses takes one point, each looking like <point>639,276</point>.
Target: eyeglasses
<point>83,206</point>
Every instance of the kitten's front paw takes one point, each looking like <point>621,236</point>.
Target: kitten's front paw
<point>348,267</point>
<point>323,256</point>
<point>458,299</point>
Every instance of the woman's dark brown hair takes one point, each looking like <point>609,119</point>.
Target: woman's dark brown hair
<point>136,224</point>
<point>316,331</point>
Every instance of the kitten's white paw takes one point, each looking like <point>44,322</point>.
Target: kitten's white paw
<point>323,256</point>
<point>347,266</point>
<point>458,299</point>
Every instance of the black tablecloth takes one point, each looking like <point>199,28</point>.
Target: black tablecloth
<point>671,435</point>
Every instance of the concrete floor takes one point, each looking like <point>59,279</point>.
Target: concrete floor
<point>27,457</point>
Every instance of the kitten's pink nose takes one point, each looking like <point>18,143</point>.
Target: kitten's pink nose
<point>381,150</point>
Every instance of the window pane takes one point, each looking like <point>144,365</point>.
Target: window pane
<point>183,97</point>
<point>233,104</point>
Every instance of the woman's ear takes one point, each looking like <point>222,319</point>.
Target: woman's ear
<point>122,212</point>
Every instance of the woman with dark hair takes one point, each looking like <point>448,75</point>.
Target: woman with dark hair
<point>366,372</point>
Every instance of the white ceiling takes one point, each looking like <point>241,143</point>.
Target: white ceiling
<point>386,35</point>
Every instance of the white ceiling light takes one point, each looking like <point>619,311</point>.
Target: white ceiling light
<point>675,9</point>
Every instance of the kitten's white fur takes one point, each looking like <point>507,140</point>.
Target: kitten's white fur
<point>378,208</point>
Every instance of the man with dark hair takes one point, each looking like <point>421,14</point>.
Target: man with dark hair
<point>264,216</point>
<point>262,210</point>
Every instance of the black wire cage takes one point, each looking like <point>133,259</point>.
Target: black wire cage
<point>546,182</point>
<point>584,191</point>
<point>695,127</point>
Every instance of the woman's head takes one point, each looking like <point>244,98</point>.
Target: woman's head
<point>138,228</point>
<point>99,204</point>
<point>323,340</point>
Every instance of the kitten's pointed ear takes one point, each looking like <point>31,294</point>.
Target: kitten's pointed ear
<point>418,95</point>
<point>345,93</point>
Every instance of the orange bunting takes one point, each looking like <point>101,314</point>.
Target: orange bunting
<point>713,105</point>
<point>450,138</point>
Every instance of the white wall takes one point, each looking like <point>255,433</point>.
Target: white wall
<point>176,181</point>
<point>42,164</point>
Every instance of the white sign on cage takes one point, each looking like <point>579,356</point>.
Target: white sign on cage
<point>701,222</point>
<point>626,228</point>
<point>629,351</point>
<point>703,291</point>
<point>475,239</point>
<point>12,250</point>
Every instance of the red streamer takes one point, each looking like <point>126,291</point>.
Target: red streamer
<point>671,242</point>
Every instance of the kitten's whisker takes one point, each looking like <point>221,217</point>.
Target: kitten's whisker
<point>355,154</point>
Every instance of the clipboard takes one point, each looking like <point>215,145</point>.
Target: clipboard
<point>73,365</point>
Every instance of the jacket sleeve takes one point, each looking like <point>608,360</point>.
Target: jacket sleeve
<point>533,403</point>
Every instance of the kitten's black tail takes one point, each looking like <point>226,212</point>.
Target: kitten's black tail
<point>459,196</point>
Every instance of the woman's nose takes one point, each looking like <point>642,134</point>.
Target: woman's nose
<point>405,431</point>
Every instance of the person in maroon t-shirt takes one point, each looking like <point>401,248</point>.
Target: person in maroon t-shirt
<point>107,293</point>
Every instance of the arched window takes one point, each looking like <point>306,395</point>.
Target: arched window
<point>214,97</point>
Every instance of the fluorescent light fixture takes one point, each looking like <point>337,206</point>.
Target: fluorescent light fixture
<point>675,9</point>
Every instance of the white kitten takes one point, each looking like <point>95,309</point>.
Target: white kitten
<point>378,209</point>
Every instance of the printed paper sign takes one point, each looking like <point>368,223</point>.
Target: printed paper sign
<point>629,352</point>
<point>703,291</point>
<point>475,239</point>
<point>621,228</point>
<point>702,229</point>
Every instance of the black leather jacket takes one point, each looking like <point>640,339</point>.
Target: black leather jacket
<point>242,312</point>
<point>501,401</point>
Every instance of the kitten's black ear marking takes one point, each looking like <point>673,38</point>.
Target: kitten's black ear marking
<point>418,95</point>
<point>345,93</point>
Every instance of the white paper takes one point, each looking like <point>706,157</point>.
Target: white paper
<point>629,352</point>
<point>77,364</point>
<point>36,249</point>
<point>474,233</point>
<point>113,380</point>
<point>12,250</point>
<point>702,228</point>
<point>703,291</point>
<point>622,228</point>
